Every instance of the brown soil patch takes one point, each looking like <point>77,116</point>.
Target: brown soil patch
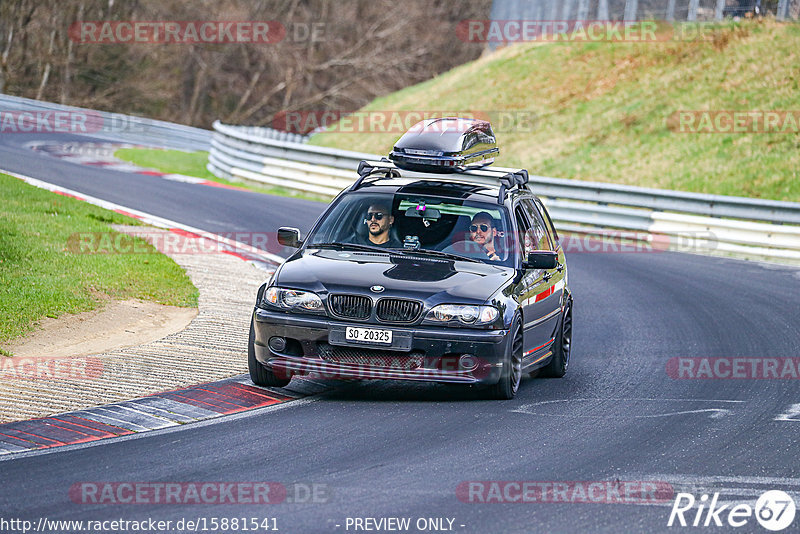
<point>117,325</point>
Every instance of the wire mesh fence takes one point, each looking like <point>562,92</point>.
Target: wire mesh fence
<point>677,10</point>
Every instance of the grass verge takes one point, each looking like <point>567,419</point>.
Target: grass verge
<point>605,111</point>
<point>41,277</point>
<point>194,164</point>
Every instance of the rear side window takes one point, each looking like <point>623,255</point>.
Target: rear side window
<point>547,221</point>
<point>539,236</point>
<point>525,235</point>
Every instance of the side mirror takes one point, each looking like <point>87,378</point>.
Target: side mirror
<point>289,237</point>
<point>541,259</point>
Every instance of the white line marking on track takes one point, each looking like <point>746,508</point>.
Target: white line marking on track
<point>714,413</point>
<point>732,489</point>
<point>791,414</point>
<point>736,479</point>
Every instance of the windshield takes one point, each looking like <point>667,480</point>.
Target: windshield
<point>423,223</point>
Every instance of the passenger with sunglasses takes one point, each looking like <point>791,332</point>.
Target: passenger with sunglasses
<point>482,231</point>
<point>379,223</point>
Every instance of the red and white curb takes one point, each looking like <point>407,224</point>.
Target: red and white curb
<point>154,412</point>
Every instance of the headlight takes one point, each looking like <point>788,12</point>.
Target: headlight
<point>462,314</point>
<point>292,299</point>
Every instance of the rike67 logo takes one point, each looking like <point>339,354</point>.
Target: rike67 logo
<point>774,510</point>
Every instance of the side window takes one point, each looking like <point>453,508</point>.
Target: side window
<point>541,241</point>
<point>547,221</point>
<point>524,233</point>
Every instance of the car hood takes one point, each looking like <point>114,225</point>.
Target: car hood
<point>433,280</point>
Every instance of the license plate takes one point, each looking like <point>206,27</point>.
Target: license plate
<point>369,335</point>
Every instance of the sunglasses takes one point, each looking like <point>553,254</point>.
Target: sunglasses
<point>375,215</point>
<point>483,227</point>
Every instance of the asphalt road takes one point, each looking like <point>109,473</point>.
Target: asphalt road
<point>398,450</point>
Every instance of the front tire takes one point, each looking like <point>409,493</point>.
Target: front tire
<point>562,348</point>
<point>260,375</point>
<point>511,374</point>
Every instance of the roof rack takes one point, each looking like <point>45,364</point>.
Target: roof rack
<point>505,178</point>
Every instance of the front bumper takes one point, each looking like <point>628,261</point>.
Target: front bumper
<point>419,353</point>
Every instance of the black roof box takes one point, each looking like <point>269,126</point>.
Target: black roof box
<point>446,145</point>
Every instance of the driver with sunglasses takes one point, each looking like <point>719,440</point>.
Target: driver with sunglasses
<point>379,223</point>
<point>482,231</point>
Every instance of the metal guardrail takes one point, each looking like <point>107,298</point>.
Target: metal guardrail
<point>754,227</point>
<point>139,130</point>
<point>117,127</point>
<point>329,157</point>
<point>271,133</point>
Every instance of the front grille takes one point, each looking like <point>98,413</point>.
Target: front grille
<point>350,306</point>
<point>398,310</point>
<point>370,357</point>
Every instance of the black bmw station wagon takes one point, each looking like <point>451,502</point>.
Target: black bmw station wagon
<point>432,267</point>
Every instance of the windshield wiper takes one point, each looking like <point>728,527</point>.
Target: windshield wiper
<point>440,254</point>
<point>355,246</point>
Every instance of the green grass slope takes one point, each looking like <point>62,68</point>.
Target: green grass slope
<point>605,111</point>
<point>43,273</point>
